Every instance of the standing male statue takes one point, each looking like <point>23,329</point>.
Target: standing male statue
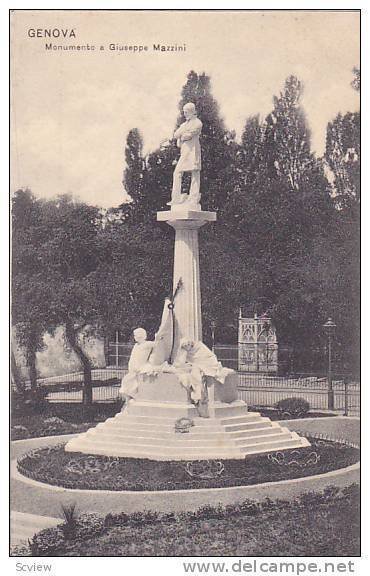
<point>187,136</point>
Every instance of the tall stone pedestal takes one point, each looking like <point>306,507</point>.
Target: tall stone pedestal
<point>188,314</point>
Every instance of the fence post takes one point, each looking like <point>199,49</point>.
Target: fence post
<point>345,397</point>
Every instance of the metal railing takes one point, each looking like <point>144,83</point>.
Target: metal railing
<point>68,387</point>
<point>255,389</point>
<point>263,390</point>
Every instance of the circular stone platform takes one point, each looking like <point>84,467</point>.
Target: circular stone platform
<point>38,498</point>
<point>55,466</point>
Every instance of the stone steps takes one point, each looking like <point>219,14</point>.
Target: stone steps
<point>295,441</point>
<point>278,434</point>
<point>187,440</point>
<point>172,444</point>
<point>244,418</point>
<point>145,451</point>
<point>167,424</point>
<point>150,420</point>
<point>249,427</point>
<point>147,430</point>
<point>204,453</point>
<point>203,435</point>
<point>241,434</point>
<point>169,420</point>
<point>279,439</point>
<point>148,425</point>
<point>240,427</point>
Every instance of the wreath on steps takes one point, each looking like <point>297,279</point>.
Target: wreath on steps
<point>183,425</point>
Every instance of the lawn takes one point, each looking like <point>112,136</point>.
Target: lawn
<point>59,419</point>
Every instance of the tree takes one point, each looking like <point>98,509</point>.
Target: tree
<point>55,251</point>
<point>130,289</point>
<point>70,255</point>
<point>343,154</point>
<point>133,175</point>
<point>343,157</point>
<point>287,137</point>
<point>280,212</point>
<point>356,82</point>
<point>250,151</point>
<point>29,289</point>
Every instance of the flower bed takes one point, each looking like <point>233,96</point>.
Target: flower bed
<point>53,465</point>
<point>267,528</point>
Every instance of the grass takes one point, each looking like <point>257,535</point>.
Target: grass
<point>314,525</point>
<point>53,465</point>
<point>61,418</point>
<point>37,426</point>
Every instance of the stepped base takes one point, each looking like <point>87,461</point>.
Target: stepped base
<point>146,428</point>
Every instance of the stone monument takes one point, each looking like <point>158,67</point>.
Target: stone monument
<point>187,139</point>
<point>181,382</point>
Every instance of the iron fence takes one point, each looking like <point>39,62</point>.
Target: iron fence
<point>263,390</point>
<point>68,387</point>
<point>255,389</point>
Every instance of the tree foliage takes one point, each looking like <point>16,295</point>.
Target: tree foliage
<point>29,288</point>
<point>343,157</point>
<point>287,234</point>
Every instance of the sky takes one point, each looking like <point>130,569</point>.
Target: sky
<point>71,111</point>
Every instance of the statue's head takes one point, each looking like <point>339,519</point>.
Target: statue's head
<point>139,335</point>
<point>189,110</point>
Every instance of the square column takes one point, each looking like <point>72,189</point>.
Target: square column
<point>187,310</point>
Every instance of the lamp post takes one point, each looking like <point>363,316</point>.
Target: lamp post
<point>213,328</point>
<point>329,327</point>
<point>266,328</point>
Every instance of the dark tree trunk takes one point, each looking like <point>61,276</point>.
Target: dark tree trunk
<point>106,350</point>
<point>31,363</point>
<point>71,335</point>
<point>15,375</point>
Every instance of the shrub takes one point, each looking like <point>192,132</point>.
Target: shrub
<point>249,507</point>
<point>54,420</point>
<point>78,413</point>
<point>119,519</point>
<point>70,520</point>
<point>19,432</point>
<point>208,512</point>
<point>88,525</point>
<point>169,517</point>
<point>351,491</point>
<point>47,542</point>
<point>293,407</point>
<point>26,402</point>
